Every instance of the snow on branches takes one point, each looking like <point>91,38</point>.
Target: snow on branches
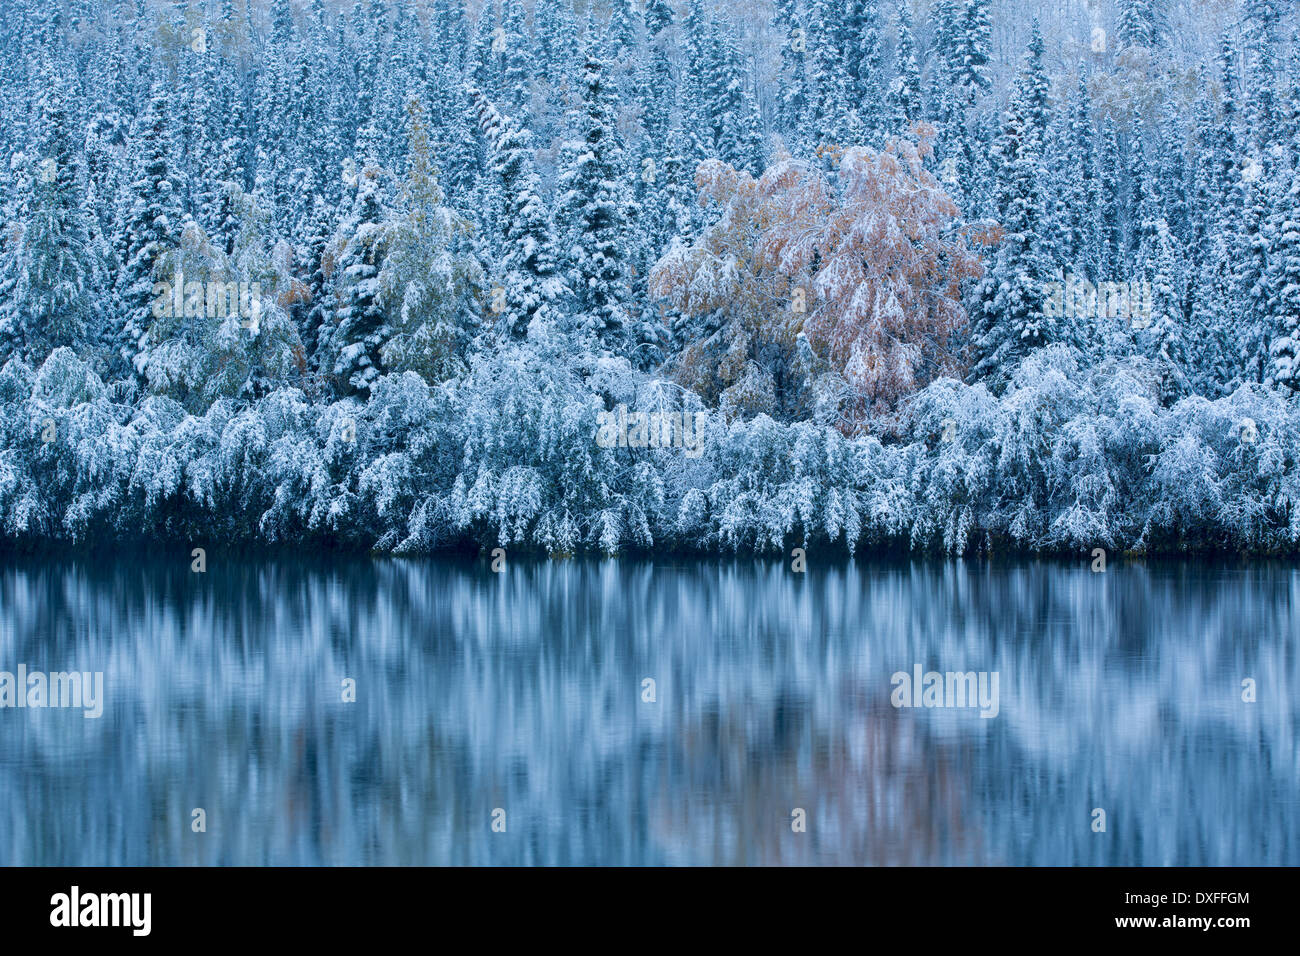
<point>865,262</point>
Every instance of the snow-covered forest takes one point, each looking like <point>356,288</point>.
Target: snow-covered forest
<point>950,275</point>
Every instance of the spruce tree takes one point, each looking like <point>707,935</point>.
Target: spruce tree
<point>49,276</point>
<point>972,51</point>
<point>864,49</point>
<point>1110,238</point>
<point>525,286</point>
<point>516,74</point>
<point>904,100</point>
<point>596,202</point>
<point>739,135</point>
<point>1284,277</point>
<point>828,81</point>
<point>359,327</point>
<point>1166,337</point>
<point>428,283</point>
<point>1014,315</point>
<point>792,99</point>
<point>659,87</point>
<point>1137,23</point>
<point>152,227</point>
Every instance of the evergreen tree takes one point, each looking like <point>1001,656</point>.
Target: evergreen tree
<point>318,317</point>
<point>555,28</point>
<point>1035,85</point>
<point>484,58</point>
<point>1262,110</point>
<point>1056,239</point>
<point>595,202</point>
<point>1225,137</point>
<point>526,285</point>
<point>1081,189</point>
<point>904,98</point>
<point>793,97</point>
<point>1014,316</point>
<point>971,51</point>
<point>621,31</point>
<point>428,282</point>
<point>1284,278</point>
<point>657,82</point>
<point>152,226</point>
<point>281,24</point>
<point>1252,295</point>
<point>1140,22</point>
<point>739,135</point>
<point>1215,368</point>
<point>1110,257</point>
<point>1172,174</point>
<point>828,119</point>
<point>1147,205</point>
<point>1289,119</point>
<point>516,74</point>
<point>1166,338</point>
<point>451,36</point>
<point>352,344</point>
<point>695,77</point>
<point>864,50</point>
<point>52,284</point>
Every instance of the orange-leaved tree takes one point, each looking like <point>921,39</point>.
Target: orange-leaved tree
<point>864,266</point>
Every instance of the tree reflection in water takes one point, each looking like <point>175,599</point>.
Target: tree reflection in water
<point>522,691</point>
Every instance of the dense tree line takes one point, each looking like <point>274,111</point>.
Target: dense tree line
<point>369,272</point>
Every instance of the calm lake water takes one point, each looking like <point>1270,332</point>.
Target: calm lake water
<point>524,691</point>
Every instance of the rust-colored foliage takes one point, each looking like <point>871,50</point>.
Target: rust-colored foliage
<point>290,289</point>
<point>867,266</point>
